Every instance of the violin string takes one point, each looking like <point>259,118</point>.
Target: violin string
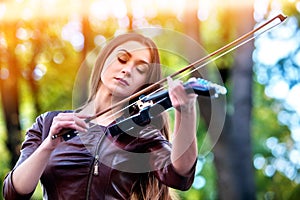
<point>130,105</point>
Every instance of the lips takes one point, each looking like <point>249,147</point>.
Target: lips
<point>122,81</point>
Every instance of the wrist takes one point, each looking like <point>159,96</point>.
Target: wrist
<point>186,109</point>
<point>49,144</point>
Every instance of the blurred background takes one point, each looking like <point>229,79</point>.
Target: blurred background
<point>43,43</point>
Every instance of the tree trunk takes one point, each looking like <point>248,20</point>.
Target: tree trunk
<point>232,151</point>
<point>233,154</point>
<point>242,102</point>
<point>10,100</point>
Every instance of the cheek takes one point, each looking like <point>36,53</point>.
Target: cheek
<point>107,71</point>
<point>141,80</point>
<point>144,78</point>
<point>103,76</point>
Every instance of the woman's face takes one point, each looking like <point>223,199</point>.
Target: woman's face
<point>126,69</point>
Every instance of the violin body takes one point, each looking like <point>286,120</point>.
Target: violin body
<point>160,102</point>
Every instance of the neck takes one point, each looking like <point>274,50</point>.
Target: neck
<point>103,100</point>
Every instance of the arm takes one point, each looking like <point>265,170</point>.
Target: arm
<point>184,144</point>
<point>36,151</point>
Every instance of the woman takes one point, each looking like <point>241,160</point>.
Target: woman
<point>140,164</point>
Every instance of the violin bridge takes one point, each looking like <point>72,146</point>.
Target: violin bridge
<point>141,105</point>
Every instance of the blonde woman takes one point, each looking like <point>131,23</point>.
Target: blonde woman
<point>140,164</point>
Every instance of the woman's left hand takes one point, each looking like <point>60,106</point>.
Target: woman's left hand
<point>184,143</point>
<point>181,101</point>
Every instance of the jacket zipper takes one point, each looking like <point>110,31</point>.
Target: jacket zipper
<point>95,165</point>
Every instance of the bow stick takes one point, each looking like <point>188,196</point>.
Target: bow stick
<point>232,44</point>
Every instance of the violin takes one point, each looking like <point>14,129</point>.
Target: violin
<point>149,107</point>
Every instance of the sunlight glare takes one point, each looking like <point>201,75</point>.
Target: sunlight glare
<point>204,10</point>
<point>39,71</point>
<point>293,98</point>
<point>280,164</point>
<point>277,89</point>
<point>295,133</point>
<point>2,10</point>
<point>72,32</point>
<point>298,6</point>
<point>4,73</point>
<point>99,40</point>
<point>269,170</point>
<point>294,156</point>
<point>27,14</point>
<point>23,34</point>
<point>271,51</point>
<point>3,42</point>
<point>259,161</point>
<point>199,182</point>
<point>99,10</point>
<point>260,9</point>
<point>138,10</point>
<point>283,117</point>
<point>20,49</point>
<point>271,142</point>
<point>119,11</point>
<point>58,58</point>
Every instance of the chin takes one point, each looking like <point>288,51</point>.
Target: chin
<point>120,94</point>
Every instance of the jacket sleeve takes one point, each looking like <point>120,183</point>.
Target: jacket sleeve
<point>160,161</point>
<point>166,173</point>
<point>33,138</point>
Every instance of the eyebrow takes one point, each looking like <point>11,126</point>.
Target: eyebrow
<point>129,54</point>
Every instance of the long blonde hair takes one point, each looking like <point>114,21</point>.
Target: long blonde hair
<point>148,187</point>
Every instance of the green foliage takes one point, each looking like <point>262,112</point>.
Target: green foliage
<point>276,175</point>
<point>265,125</point>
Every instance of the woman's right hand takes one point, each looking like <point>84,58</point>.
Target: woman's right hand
<point>62,121</point>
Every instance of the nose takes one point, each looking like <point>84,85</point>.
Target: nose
<point>127,69</point>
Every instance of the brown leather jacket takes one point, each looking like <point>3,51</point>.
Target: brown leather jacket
<point>97,165</point>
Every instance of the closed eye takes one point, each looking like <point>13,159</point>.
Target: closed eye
<point>122,61</point>
<point>123,57</point>
<point>142,67</point>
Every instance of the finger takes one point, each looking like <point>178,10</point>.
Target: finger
<point>192,96</point>
<point>170,82</point>
<point>64,117</point>
<point>80,122</point>
<point>179,93</point>
<point>70,120</point>
<point>173,83</point>
<point>71,117</point>
<point>57,126</point>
